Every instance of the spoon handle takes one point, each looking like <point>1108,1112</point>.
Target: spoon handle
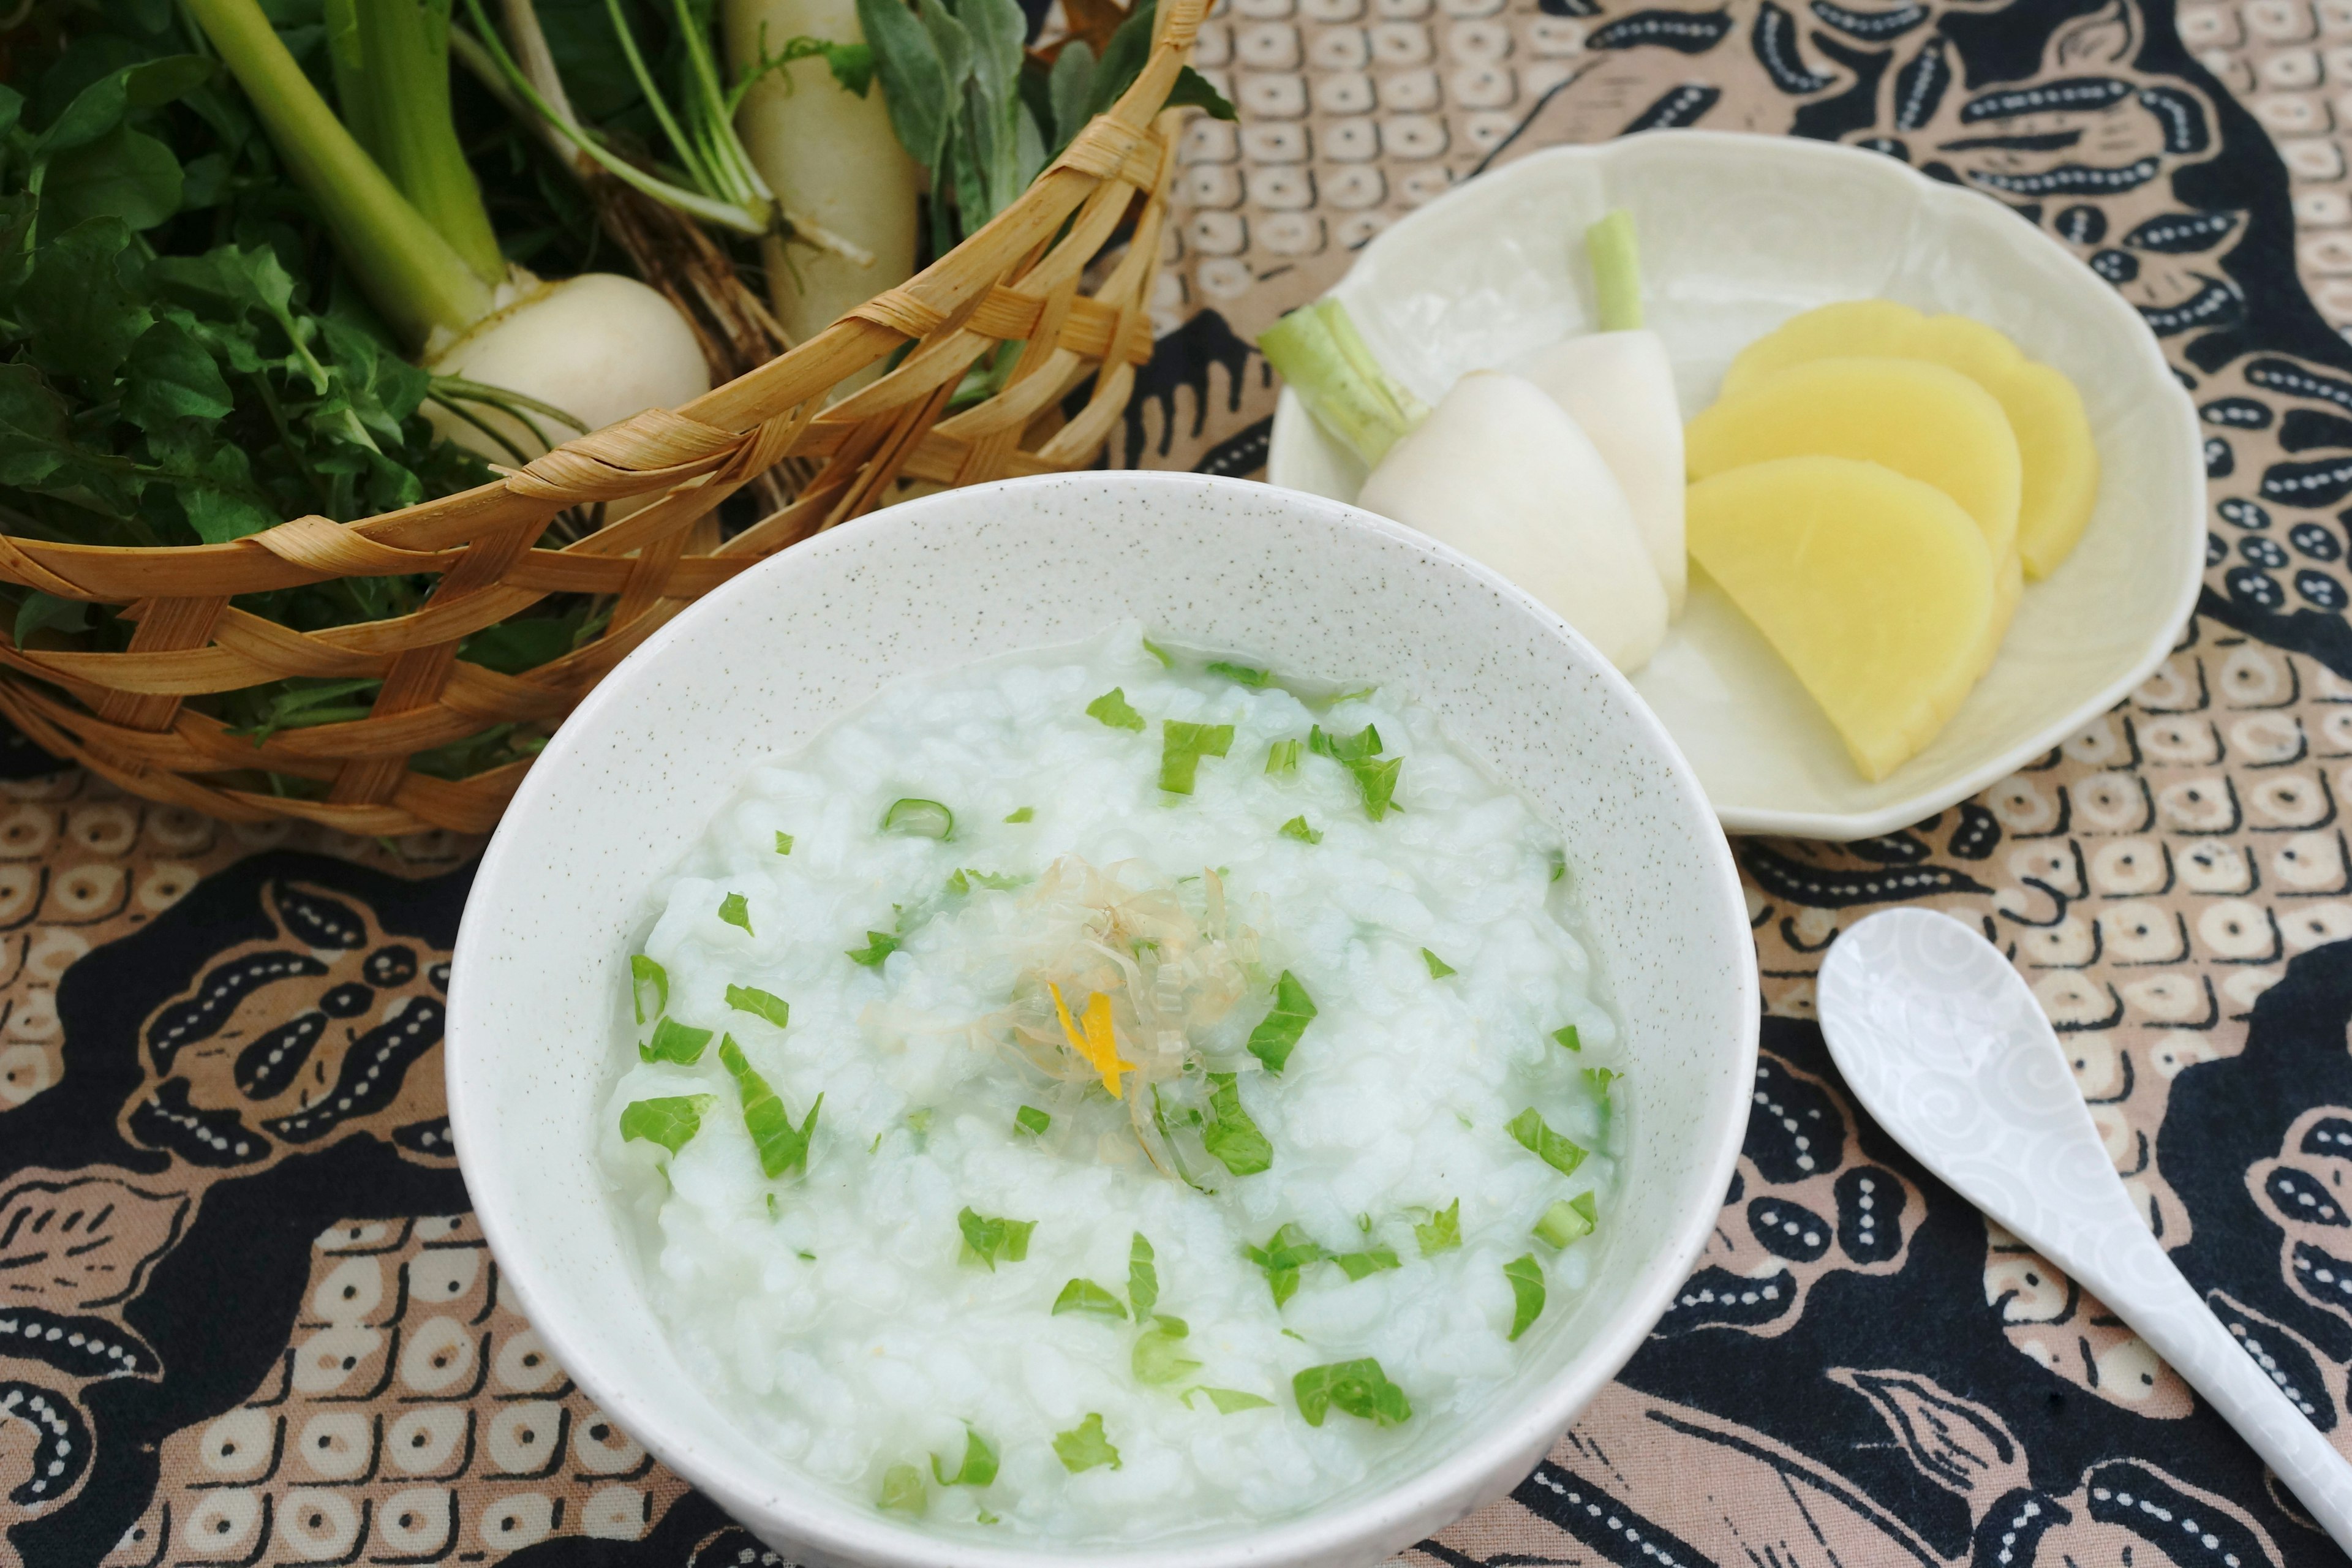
<point>2125,1267</point>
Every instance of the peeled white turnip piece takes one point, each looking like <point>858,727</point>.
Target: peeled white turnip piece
<point>1502,474</point>
<point>1620,389</point>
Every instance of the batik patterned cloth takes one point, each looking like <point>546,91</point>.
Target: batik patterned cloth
<point>245,1315</point>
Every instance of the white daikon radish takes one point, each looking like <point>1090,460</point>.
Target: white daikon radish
<point>1620,390</point>
<point>1500,472</point>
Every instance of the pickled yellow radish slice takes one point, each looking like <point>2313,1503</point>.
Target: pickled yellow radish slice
<point>1841,331</point>
<point>2061,465</point>
<point>1917,418</point>
<point>1876,588</point>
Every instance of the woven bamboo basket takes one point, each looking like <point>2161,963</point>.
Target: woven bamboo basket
<point>1022,278</point>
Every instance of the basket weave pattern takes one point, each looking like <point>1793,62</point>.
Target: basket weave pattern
<point>1019,279</point>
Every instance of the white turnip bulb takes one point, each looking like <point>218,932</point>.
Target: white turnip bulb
<point>1619,387</point>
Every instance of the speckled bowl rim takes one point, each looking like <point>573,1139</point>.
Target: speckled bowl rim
<point>1488,1461</point>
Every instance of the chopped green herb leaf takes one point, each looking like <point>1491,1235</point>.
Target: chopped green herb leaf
<point>1360,747</point>
<point>644,975</point>
<point>988,1240</point>
<point>1032,1121</point>
<point>1438,968</point>
<point>760,1003</point>
<point>804,1257</point>
<point>1182,747</point>
<point>1568,1038</point>
<point>669,1122</point>
<point>1443,1231</point>
<point>1358,695</point>
<point>1378,782</point>
<point>987,1518</point>
<point>1362,1265</point>
<point>1297,829</point>
<point>774,1211</point>
<point>919,1118</point>
<point>1111,708</point>
<point>1167,660</point>
<point>784,847</point>
<point>736,910</point>
<point>1357,1388</point>
<point>1282,759</point>
<point>1027,814</point>
<point>783,1147</point>
<point>1084,1445</point>
<point>879,945</point>
<point>903,1490</point>
<point>1228,1401</point>
<point>1559,864</point>
<point>1231,1137</point>
<point>1086,1296</point>
<point>1536,1136</point>
<point>1239,674</point>
<point>1600,1079</point>
<point>1527,1277</point>
<point>1142,1278</point>
<point>1286,1252</point>
<point>1276,1034</point>
<point>1568,1220</point>
<point>1159,1355</point>
<point>1294,1333</point>
<point>674,1042</point>
<point>914,818</point>
<point>965,881</point>
<point>1360,754</point>
<point>978,1466</point>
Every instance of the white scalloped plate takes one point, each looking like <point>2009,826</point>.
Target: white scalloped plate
<point>1738,233</point>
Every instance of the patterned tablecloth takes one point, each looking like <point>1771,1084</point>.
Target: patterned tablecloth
<point>228,1334</point>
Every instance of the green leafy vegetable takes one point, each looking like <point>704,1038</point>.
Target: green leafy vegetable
<point>1084,1445</point>
<point>1568,1220</point>
<point>783,1147</point>
<point>1111,708</point>
<point>1182,746</point>
<point>1297,827</point>
<point>989,1241</point>
<point>1598,1080</point>
<point>1167,660</point>
<point>979,1465</point>
<point>1438,968</point>
<point>674,1042</point>
<point>1027,814</point>
<point>784,847</point>
<point>760,1003</point>
<point>1032,1121</point>
<point>1443,1232</point>
<point>736,910</point>
<point>1241,674</point>
<point>1285,1253</point>
<point>1228,1401</point>
<point>1282,759</point>
<point>1357,1388</point>
<point>965,881</point>
<point>1362,1265</point>
<point>669,1122</point>
<point>1277,1033</point>
<point>914,818</point>
<point>879,945</point>
<point>1158,1356</point>
<point>1231,1137</point>
<point>1559,864</point>
<point>1376,777</point>
<point>1142,1278</point>
<point>646,976</point>
<point>903,1490</point>
<point>1086,1296</point>
<point>1536,1136</point>
<point>1568,1038</point>
<point>1527,1277</point>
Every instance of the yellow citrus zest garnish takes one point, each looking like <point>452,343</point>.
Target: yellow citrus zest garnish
<point>1097,1044</point>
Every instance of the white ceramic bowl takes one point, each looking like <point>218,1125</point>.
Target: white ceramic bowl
<point>537,1002</point>
<point>1738,233</point>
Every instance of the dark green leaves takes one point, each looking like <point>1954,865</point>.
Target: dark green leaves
<point>1357,1388</point>
<point>736,910</point>
<point>1376,777</point>
<point>1527,1277</point>
<point>879,945</point>
<point>1159,1355</point>
<point>1567,1038</point>
<point>1111,708</point>
<point>1285,1253</point>
<point>916,818</point>
<point>1142,1278</point>
<point>1569,1219</point>
<point>903,1491</point>
<point>1297,827</point>
<point>1086,1296</point>
<point>674,1042</point>
<point>1278,1032</point>
<point>760,1003</point>
<point>1182,746</point>
<point>1536,1136</point>
<point>783,1147</point>
<point>1231,1136</point>
<point>1442,1232</point>
<point>1084,1447</point>
<point>914,79</point>
<point>989,1241</point>
<point>979,1465</point>
<point>1438,968</point>
<point>1228,1401</point>
<point>669,1122</point>
<point>648,978</point>
<point>1032,1121</point>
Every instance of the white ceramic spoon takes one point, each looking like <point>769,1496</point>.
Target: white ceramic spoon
<point>1937,1035</point>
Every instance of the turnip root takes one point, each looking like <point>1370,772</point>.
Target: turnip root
<point>1620,389</point>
